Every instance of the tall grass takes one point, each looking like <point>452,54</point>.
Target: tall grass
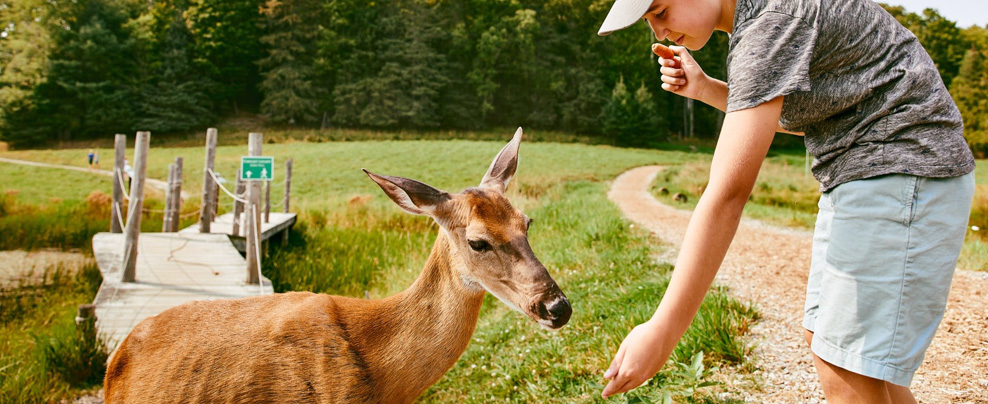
<point>69,225</point>
<point>44,355</point>
<point>783,193</point>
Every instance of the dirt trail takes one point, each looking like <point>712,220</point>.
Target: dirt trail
<point>16,265</point>
<point>768,266</point>
<point>158,184</point>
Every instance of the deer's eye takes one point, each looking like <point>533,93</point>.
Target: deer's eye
<point>479,245</point>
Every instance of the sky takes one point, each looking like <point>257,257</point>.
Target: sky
<point>964,12</point>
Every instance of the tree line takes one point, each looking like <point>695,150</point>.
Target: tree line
<point>80,69</point>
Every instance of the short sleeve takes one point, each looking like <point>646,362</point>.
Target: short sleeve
<point>769,57</point>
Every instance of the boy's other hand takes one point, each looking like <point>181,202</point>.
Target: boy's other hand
<point>682,75</point>
<point>640,357</point>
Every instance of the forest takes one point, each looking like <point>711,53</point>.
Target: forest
<point>84,69</point>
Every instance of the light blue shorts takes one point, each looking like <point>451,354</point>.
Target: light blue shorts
<point>884,254</point>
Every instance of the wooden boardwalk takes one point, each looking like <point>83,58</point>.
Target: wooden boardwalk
<point>172,269</point>
<point>280,223</point>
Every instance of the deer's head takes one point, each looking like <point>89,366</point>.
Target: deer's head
<point>488,238</point>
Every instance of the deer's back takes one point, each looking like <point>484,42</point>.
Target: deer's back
<point>282,348</point>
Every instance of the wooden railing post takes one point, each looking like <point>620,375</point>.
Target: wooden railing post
<point>166,221</point>
<point>238,207</point>
<point>177,195</point>
<point>288,183</point>
<point>253,215</point>
<point>120,150</point>
<point>267,201</point>
<point>216,198</point>
<point>209,194</point>
<point>133,229</point>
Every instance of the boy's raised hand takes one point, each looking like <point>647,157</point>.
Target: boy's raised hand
<point>680,74</point>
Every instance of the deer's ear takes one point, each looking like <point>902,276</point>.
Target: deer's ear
<point>412,196</point>
<point>503,167</point>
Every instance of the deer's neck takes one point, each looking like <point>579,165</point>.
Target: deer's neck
<point>423,330</point>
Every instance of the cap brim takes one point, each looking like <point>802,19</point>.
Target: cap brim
<point>623,14</point>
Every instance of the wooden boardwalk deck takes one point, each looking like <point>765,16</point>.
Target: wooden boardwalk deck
<point>172,269</point>
<point>280,222</point>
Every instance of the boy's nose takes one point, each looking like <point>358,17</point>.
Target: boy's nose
<point>659,32</point>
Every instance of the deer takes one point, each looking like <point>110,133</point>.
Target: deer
<point>302,347</point>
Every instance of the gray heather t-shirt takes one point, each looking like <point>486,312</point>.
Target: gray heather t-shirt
<point>855,81</point>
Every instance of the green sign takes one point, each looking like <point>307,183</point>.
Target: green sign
<point>256,168</point>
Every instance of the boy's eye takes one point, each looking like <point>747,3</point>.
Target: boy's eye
<point>661,14</point>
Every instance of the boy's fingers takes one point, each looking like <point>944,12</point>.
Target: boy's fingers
<point>615,363</point>
<point>676,81</point>
<point>618,385</point>
<point>671,71</point>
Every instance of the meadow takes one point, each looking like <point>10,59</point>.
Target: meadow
<point>351,240</point>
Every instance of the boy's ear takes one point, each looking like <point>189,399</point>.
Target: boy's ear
<point>412,196</point>
<point>503,167</point>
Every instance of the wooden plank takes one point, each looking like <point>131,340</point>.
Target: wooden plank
<point>174,269</point>
<point>224,225</point>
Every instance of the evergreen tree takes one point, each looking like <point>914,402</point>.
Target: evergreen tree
<point>290,95</point>
<point>631,119</point>
<point>91,88</point>
<point>398,84</point>
<point>175,98</point>
<point>227,42</point>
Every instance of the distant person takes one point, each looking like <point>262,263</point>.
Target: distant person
<point>895,172</point>
<point>91,155</point>
<point>96,160</point>
<point>128,172</point>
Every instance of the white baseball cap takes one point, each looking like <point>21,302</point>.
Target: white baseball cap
<point>623,14</point>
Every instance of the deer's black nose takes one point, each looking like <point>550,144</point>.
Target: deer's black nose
<point>559,311</point>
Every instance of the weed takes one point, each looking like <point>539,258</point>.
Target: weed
<point>44,356</point>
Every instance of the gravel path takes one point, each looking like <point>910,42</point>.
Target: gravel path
<point>768,265</point>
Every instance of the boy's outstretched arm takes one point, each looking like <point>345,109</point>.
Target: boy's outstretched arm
<point>744,142</point>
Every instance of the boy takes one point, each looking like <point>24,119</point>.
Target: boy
<point>895,173</point>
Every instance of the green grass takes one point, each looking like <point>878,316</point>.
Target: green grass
<point>353,239</point>
<point>44,356</point>
<point>39,185</point>
<point>70,224</point>
<point>327,174</point>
